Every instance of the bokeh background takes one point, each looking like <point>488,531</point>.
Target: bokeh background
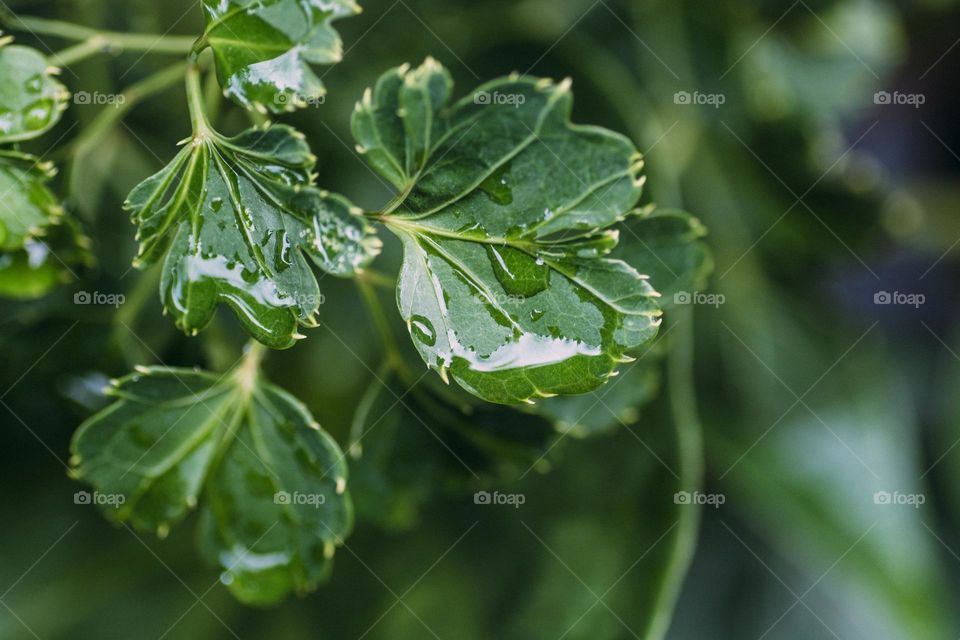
<point>818,142</point>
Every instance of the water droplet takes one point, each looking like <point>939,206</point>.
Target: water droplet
<point>423,330</point>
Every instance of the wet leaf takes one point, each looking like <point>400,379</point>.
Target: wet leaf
<point>264,49</point>
<point>666,244</point>
<point>234,218</point>
<point>39,246</point>
<point>272,482</point>
<point>504,210</point>
<point>27,206</point>
<point>31,98</point>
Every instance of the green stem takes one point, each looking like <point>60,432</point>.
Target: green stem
<point>77,52</point>
<point>377,279</point>
<point>195,100</point>
<point>248,371</point>
<point>133,95</point>
<point>382,324</point>
<point>683,406</point>
<point>105,40</point>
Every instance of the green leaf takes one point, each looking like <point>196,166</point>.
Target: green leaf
<point>504,211</point>
<point>234,218</point>
<point>27,206</point>
<point>272,482</point>
<point>264,48</point>
<point>31,98</point>
<point>667,245</point>
<point>38,244</point>
<point>42,264</point>
<point>413,441</point>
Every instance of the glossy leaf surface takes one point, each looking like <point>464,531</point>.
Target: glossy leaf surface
<point>31,98</point>
<point>668,245</point>
<point>504,211</point>
<point>264,48</point>
<point>235,218</point>
<point>272,483</point>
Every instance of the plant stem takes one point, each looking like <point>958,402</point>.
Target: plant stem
<point>195,100</point>
<point>248,370</point>
<point>683,407</point>
<point>133,95</point>
<point>77,52</point>
<point>103,40</point>
<point>383,326</point>
<point>377,279</point>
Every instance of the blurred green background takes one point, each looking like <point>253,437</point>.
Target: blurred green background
<point>818,402</point>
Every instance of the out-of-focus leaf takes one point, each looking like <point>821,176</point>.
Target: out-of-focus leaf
<point>44,263</point>
<point>841,500</point>
<point>851,44</point>
<point>411,444</point>
<point>667,246</point>
<point>504,211</point>
<point>273,483</point>
<point>31,98</point>
<point>264,48</point>
<point>27,205</point>
<point>234,218</point>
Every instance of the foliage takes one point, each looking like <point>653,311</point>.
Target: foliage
<point>514,232</point>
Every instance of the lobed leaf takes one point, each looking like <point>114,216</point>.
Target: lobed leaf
<point>264,48</point>
<point>235,218</point>
<point>273,483</point>
<point>31,98</point>
<point>504,210</point>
